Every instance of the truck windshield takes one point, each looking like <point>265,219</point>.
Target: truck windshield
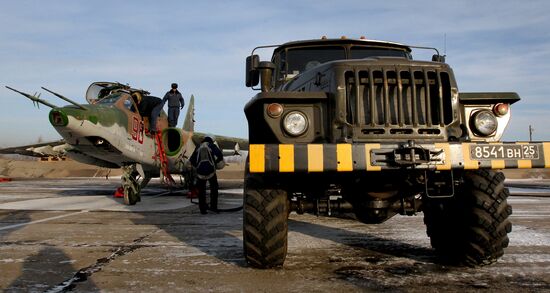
<point>366,52</point>
<point>301,59</point>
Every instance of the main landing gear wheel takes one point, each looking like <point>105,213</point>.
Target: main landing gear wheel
<point>130,197</point>
<point>265,226</point>
<point>130,184</point>
<point>471,228</point>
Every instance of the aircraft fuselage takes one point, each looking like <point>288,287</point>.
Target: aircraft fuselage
<point>112,133</point>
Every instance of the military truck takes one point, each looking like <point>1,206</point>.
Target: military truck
<point>357,126</point>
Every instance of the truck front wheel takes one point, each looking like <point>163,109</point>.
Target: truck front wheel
<point>471,228</point>
<point>265,227</point>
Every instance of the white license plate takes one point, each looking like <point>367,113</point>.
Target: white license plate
<point>504,152</point>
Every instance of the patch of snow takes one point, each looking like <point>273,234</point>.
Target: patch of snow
<point>523,236</point>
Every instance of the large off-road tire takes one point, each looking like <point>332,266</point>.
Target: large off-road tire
<point>265,226</point>
<point>471,228</point>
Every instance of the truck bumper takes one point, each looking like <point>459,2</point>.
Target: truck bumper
<point>309,158</point>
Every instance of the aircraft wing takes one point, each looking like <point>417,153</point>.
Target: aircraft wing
<point>229,145</point>
<point>53,148</point>
<point>226,143</point>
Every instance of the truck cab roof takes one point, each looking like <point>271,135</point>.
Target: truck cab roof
<point>345,41</point>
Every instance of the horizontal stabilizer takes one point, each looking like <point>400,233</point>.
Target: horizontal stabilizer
<point>234,152</point>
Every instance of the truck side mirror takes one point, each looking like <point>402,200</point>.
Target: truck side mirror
<point>438,58</point>
<point>252,72</point>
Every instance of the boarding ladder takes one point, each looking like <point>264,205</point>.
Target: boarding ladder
<point>160,154</point>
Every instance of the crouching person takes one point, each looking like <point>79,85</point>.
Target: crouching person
<point>204,159</point>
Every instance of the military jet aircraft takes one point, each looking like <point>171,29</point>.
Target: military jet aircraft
<point>110,132</point>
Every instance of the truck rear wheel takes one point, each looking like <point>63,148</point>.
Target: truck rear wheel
<point>265,227</point>
<point>471,228</point>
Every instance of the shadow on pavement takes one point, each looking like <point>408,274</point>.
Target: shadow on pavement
<point>42,271</point>
<point>365,241</point>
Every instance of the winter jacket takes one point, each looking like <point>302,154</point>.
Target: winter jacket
<point>147,104</point>
<point>174,99</point>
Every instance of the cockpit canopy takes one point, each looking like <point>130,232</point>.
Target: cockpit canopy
<point>108,92</point>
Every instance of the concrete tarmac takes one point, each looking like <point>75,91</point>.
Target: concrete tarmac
<point>71,234</point>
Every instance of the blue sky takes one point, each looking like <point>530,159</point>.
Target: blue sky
<point>202,45</point>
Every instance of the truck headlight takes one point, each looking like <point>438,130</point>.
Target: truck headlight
<point>484,122</point>
<point>295,123</point>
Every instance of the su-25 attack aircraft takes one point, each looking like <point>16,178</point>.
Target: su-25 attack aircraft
<point>110,132</point>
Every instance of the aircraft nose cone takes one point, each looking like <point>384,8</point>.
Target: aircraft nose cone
<point>58,117</point>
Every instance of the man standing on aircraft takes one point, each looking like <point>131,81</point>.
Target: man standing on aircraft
<point>149,106</point>
<point>175,104</point>
<point>205,158</point>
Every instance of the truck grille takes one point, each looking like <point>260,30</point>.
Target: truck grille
<point>389,101</point>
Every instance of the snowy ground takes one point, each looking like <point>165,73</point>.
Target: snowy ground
<point>57,235</point>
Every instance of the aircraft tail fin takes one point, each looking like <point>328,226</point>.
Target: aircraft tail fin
<point>189,122</point>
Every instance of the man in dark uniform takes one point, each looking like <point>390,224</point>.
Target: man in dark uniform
<point>205,158</point>
<point>149,106</point>
<point>175,104</point>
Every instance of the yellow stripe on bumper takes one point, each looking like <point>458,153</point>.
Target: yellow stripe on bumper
<point>546,147</point>
<point>257,158</point>
<point>315,157</point>
<point>498,164</point>
<point>343,155</point>
<point>286,158</point>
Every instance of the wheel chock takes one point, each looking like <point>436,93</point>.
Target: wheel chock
<point>119,192</point>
